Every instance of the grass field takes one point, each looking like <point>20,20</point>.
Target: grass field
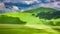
<point>26,29</point>
<point>35,21</point>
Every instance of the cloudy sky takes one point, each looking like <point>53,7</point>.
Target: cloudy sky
<point>21,5</point>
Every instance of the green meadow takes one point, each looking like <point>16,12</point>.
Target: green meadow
<point>35,21</point>
<point>22,29</point>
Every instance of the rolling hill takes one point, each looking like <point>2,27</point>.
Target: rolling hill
<point>35,16</point>
<point>35,21</point>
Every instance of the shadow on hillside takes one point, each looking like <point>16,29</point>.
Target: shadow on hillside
<point>10,20</point>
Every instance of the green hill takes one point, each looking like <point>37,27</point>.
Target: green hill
<point>35,16</point>
<point>35,21</point>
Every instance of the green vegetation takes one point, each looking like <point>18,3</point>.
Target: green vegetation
<point>10,20</point>
<point>45,16</point>
<point>12,29</point>
<point>49,15</point>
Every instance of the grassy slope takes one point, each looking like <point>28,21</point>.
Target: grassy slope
<point>29,19</point>
<point>27,15</point>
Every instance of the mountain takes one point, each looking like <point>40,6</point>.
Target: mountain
<point>47,16</point>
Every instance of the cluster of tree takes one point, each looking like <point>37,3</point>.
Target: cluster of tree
<point>49,15</point>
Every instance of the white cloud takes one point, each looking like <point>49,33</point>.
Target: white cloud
<point>30,1</point>
<point>55,4</point>
<point>50,5</point>
<point>2,6</point>
<point>44,5</point>
<point>15,8</point>
<point>22,10</point>
<point>22,1</point>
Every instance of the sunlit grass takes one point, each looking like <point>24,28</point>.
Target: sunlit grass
<point>26,29</point>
